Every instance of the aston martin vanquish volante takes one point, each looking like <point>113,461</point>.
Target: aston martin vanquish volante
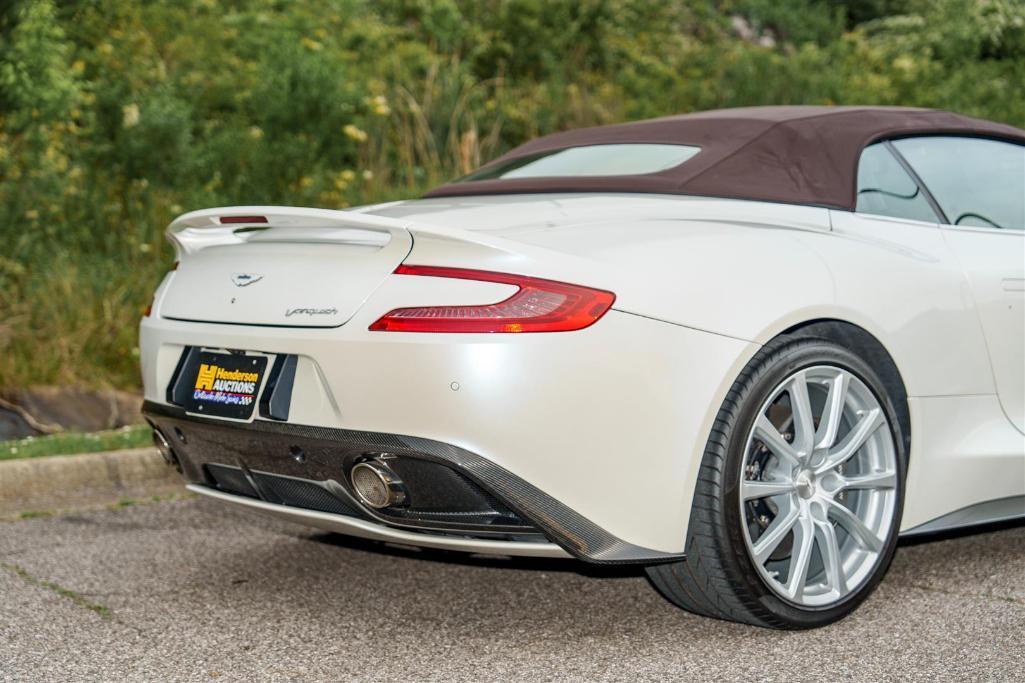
<point>748,349</point>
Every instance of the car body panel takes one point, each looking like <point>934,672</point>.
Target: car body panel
<point>994,263</point>
<point>964,452</point>
<point>728,267</point>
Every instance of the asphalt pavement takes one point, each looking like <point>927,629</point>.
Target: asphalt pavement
<point>190,590</point>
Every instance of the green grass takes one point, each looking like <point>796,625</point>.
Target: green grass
<point>70,443</point>
<point>122,504</point>
<point>35,514</point>
<point>74,596</point>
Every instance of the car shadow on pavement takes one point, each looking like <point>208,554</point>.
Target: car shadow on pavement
<point>604,571</point>
<point>953,534</point>
<point>541,564</point>
<point>578,566</point>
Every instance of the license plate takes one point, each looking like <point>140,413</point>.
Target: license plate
<point>223,384</point>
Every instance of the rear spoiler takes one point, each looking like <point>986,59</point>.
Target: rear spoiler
<point>224,226</point>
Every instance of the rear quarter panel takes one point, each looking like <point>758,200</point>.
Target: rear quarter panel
<point>750,275</point>
<point>750,271</point>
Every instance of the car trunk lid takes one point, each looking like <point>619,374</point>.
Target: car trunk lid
<point>279,266</point>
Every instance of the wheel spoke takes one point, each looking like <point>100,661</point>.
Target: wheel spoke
<point>751,489</point>
<point>832,411</point>
<point>767,433</point>
<point>804,421</point>
<point>865,537</point>
<point>876,480</point>
<point>854,440</point>
<point>775,533</point>
<point>800,558</point>
<point>829,549</point>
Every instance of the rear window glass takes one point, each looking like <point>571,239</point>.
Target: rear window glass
<point>592,160</point>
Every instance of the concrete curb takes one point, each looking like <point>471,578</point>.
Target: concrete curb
<point>63,482</point>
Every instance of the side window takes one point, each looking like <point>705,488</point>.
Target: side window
<point>886,189</point>
<point>977,182</point>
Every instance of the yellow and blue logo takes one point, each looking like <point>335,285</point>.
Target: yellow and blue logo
<point>206,376</point>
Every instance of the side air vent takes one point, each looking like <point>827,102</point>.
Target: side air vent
<point>231,480</point>
<point>282,490</point>
<point>302,493</point>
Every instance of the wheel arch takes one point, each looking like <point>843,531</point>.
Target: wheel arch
<point>700,576</point>
<point>873,351</point>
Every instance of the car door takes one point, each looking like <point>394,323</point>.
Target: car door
<point>978,187</point>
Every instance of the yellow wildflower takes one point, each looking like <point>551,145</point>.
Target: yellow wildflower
<point>355,133</point>
<point>904,63</point>
<point>379,105</point>
<point>130,115</point>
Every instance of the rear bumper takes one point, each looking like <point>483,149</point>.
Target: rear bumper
<point>300,473</point>
<point>377,532</point>
<point>608,423</point>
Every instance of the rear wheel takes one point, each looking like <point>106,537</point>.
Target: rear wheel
<point>798,501</point>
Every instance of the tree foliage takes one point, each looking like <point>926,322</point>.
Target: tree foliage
<point>115,115</point>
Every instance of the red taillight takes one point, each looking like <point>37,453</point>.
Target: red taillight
<point>538,306</point>
<point>243,219</point>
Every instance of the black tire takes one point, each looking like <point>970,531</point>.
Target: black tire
<point>717,578</point>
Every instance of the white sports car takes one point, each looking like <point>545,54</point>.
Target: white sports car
<point>746,348</point>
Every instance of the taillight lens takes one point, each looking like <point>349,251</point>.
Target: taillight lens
<point>538,306</point>
<point>228,220</point>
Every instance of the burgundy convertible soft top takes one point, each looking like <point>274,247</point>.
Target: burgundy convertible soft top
<point>797,155</point>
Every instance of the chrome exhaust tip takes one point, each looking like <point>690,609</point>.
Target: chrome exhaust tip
<point>376,485</point>
<point>165,450</point>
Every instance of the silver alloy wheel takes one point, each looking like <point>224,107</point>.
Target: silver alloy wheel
<point>818,487</point>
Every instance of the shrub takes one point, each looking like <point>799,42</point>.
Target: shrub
<point>117,115</point>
